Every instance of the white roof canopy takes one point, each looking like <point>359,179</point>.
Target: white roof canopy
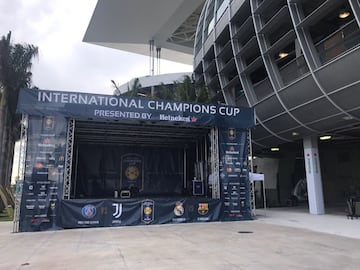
<point>129,25</point>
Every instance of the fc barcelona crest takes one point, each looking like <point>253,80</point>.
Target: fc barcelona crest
<point>147,211</point>
<point>203,208</point>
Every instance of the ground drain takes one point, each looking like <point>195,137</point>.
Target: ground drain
<point>245,232</point>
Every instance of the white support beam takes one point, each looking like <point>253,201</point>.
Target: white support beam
<point>313,176</point>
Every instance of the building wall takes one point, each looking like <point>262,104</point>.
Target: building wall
<point>306,93</point>
<point>340,168</point>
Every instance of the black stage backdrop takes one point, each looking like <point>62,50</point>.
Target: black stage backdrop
<point>102,169</point>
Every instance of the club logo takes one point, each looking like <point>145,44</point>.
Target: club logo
<point>179,209</point>
<point>48,123</point>
<point>39,165</point>
<point>147,211</point>
<point>203,208</point>
<point>88,211</point>
<point>52,205</point>
<point>118,210</point>
<point>232,133</point>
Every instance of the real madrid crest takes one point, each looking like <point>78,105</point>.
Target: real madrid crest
<point>179,209</point>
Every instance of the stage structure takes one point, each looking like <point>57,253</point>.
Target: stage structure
<point>93,160</point>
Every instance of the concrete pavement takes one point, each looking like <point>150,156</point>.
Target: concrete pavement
<point>270,242</point>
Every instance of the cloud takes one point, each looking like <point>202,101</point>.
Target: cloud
<point>65,62</point>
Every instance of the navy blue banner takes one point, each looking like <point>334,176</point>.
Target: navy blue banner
<point>44,173</point>
<point>116,212</point>
<point>234,176</point>
<point>95,106</point>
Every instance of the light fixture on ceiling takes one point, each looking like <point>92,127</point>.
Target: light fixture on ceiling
<point>325,138</point>
<point>294,133</point>
<point>275,149</point>
<point>343,13</point>
<point>283,55</point>
<point>348,117</point>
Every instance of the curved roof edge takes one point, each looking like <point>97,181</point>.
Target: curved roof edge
<point>129,25</point>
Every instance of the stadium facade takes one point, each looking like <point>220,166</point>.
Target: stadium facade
<point>296,62</point>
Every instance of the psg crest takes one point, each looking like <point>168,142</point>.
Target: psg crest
<point>88,211</point>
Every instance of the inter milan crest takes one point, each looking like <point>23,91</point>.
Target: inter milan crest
<point>147,211</point>
<point>132,171</point>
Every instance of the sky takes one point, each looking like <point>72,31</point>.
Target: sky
<point>57,28</point>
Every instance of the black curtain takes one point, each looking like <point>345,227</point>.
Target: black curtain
<point>99,170</point>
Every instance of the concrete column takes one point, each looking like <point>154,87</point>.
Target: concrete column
<point>313,176</point>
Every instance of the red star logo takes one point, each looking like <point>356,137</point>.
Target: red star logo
<point>46,140</point>
<point>193,119</point>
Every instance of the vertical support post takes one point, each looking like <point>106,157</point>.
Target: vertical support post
<point>21,170</point>
<point>215,162</point>
<point>158,58</point>
<point>76,168</point>
<point>313,176</point>
<point>206,168</point>
<point>151,56</point>
<point>185,176</point>
<point>251,169</point>
<point>68,158</point>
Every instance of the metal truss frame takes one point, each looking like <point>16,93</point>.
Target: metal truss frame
<point>214,140</point>
<point>68,158</point>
